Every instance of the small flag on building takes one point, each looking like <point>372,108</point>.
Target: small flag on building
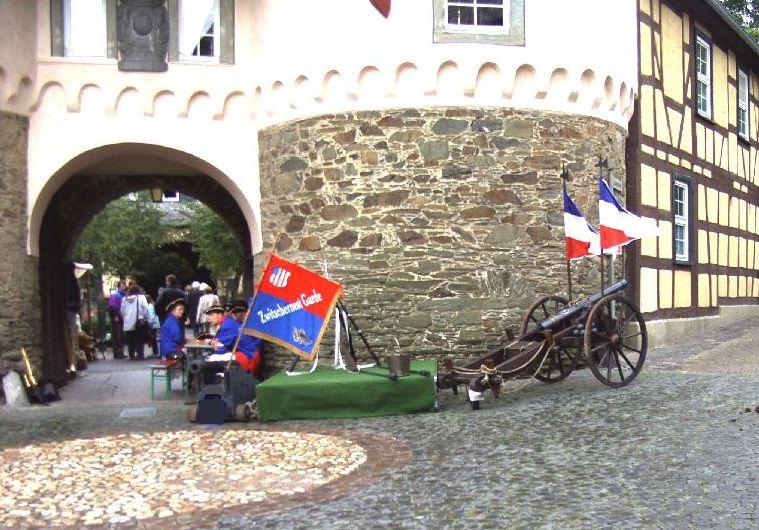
<point>619,226</point>
<point>582,239</point>
<point>292,307</point>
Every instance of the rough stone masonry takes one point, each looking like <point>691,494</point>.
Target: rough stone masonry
<point>20,313</point>
<point>444,224</point>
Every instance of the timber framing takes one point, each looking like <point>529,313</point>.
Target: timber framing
<point>670,140</point>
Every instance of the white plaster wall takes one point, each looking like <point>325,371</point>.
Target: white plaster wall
<point>300,58</point>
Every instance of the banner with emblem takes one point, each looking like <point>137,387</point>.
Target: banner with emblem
<point>292,307</point>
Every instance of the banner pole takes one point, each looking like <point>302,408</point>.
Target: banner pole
<point>569,283</point>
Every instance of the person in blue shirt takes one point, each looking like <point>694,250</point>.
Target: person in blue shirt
<point>248,352</point>
<point>172,331</point>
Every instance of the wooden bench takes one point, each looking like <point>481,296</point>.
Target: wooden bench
<point>165,370</point>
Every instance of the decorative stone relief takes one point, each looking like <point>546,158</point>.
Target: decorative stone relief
<point>143,34</point>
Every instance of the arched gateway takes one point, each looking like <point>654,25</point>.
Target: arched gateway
<point>84,186</point>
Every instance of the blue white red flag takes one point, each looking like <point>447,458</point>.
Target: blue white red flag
<point>292,307</point>
<point>581,239</point>
<point>619,226</point>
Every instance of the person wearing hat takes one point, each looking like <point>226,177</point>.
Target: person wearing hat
<point>206,301</point>
<point>248,352</point>
<point>192,305</point>
<point>172,330</point>
<point>216,315</point>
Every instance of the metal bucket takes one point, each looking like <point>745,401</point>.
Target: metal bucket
<point>399,364</point>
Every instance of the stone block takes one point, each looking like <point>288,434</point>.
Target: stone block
<point>371,240</point>
<point>293,164</point>
<point>295,224</point>
<point>434,150</point>
<point>345,239</point>
<point>371,130</point>
<point>286,183</point>
<point>502,196</point>
<point>418,320</point>
<point>14,390</point>
<point>338,212</point>
<point>310,244</point>
<point>505,235</point>
<point>478,212</point>
<point>449,126</point>
<point>518,128</point>
<point>411,237</point>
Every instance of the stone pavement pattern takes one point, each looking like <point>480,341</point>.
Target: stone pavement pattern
<point>674,449</point>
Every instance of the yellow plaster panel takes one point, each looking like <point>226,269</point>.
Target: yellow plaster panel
<point>709,146</point>
<point>686,29</point>
<point>750,254</point>
<point>734,212</point>
<point>645,49</point>
<point>704,298</point>
<point>742,248</point>
<point>647,110</point>
<point>707,172</point>
<point>662,129</point>
<point>714,290</point>
<point>665,289</point>
<point>712,204</point>
<point>685,163</point>
<point>686,140</point>
<point>723,254</point>
<point>742,213</point>
<point>713,255</point>
<point>647,185</point>
<point>741,286</point>
<point>749,286</point>
<point>657,54</point>
<point>732,286</point>
<point>724,208</point>
<point>682,289</point>
<point>700,139</point>
<point>665,189</point>
<point>675,120</point>
<point>756,256</point>
<point>648,246</point>
<point>732,251</point>
<point>648,290</point>
<point>732,165</point>
<point>756,223</point>
<point>722,285</point>
<point>672,159</point>
<point>665,239</point>
<point>672,61</point>
<point>645,6</point>
<point>719,86</point>
<point>703,247</point>
<point>648,149</point>
<point>701,202</point>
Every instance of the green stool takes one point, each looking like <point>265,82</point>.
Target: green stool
<point>164,370</point>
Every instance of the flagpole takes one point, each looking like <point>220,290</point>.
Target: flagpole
<point>564,176</point>
<point>569,283</point>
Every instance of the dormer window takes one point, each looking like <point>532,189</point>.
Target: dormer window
<point>199,30</point>
<point>481,21</point>
<point>478,15</point>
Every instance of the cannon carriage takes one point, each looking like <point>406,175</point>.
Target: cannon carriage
<point>606,330</point>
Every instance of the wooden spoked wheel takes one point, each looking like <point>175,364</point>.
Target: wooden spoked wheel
<point>560,361</point>
<point>615,340</point>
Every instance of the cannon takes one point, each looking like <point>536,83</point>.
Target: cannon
<point>606,329</point>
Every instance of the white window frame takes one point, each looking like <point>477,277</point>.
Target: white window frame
<point>475,28</point>
<point>68,45</point>
<point>215,34</point>
<point>171,196</point>
<point>743,105</point>
<point>704,78</point>
<point>683,220</point>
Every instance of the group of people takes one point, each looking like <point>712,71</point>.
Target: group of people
<point>137,320</point>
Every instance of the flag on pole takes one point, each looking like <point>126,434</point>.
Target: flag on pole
<point>292,307</point>
<point>581,239</point>
<point>619,226</point>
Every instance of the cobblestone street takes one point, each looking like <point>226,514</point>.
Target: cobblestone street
<point>675,449</point>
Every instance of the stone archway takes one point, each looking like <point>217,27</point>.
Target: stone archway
<point>82,196</point>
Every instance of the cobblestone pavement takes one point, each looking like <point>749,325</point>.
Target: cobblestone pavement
<point>673,450</point>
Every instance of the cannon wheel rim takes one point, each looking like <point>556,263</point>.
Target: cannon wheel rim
<point>561,361</point>
<point>625,360</point>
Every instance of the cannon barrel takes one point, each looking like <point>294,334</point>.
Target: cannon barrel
<point>573,310</point>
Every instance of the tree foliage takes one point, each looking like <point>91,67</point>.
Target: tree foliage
<point>746,12</point>
<point>123,238</point>
<point>212,239</point>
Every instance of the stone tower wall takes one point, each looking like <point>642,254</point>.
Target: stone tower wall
<point>444,224</point>
<point>19,274</point>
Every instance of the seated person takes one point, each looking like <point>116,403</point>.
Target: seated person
<point>248,352</point>
<point>172,331</point>
<point>207,331</point>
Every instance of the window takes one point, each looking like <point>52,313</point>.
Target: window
<point>703,58</point>
<point>84,28</point>
<point>480,21</point>
<point>170,196</point>
<point>743,129</point>
<point>680,227</point>
<point>199,30</point>
<point>482,15</point>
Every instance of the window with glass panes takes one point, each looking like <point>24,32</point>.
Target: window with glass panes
<point>84,28</point>
<point>743,104</point>
<point>199,29</point>
<point>482,14</point>
<point>703,76</point>
<point>681,214</point>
